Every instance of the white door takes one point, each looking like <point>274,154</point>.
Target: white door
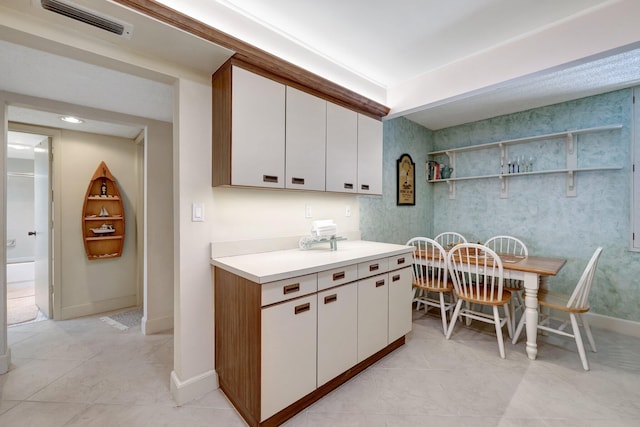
<point>337,331</point>
<point>306,129</point>
<point>42,222</point>
<point>400,297</point>
<point>373,315</point>
<point>288,353</point>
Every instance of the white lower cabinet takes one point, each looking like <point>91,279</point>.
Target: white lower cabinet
<point>373,315</point>
<point>288,360</point>
<point>281,345</point>
<point>400,296</point>
<point>337,331</point>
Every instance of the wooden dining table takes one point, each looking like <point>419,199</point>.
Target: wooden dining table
<point>532,270</point>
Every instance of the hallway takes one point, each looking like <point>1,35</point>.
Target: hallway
<point>21,302</point>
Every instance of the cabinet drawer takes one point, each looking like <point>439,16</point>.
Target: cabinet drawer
<point>400,261</point>
<point>337,276</point>
<point>371,268</point>
<point>283,290</point>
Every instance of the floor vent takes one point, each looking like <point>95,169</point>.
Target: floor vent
<point>87,16</point>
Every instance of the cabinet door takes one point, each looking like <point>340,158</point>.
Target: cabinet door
<point>288,356</point>
<point>373,315</point>
<point>369,155</point>
<point>400,296</point>
<point>337,331</point>
<point>342,149</point>
<point>305,141</point>
<point>257,130</point>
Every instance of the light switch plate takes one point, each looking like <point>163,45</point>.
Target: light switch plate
<point>197,212</point>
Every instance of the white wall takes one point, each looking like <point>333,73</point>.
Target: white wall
<point>193,373</point>
<point>20,208</point>
<point>158,228</point>
<point>242,214</point>
<point>90,287</point>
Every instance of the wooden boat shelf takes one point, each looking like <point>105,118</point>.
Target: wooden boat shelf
<point>103,204</point>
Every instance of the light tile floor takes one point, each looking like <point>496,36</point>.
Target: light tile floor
<point>84,372</point>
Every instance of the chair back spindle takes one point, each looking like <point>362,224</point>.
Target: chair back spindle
<point>449,238</point>
<point>476,272</point>
<point>579,298</point>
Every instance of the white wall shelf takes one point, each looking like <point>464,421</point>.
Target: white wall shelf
<point>572,168</point>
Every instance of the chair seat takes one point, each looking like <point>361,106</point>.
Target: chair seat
<point>575,306</point>
<point>506,296</point>
<point>443,287</point>
<point>558,301</point>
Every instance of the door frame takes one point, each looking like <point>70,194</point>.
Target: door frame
<point>55,280</point>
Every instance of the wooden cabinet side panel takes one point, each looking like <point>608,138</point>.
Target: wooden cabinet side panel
<point>237,341</point>
<point>221,120</point>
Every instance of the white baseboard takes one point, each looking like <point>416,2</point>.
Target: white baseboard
<point>613,324</point>
<point>89,309</point>
<point>153,326</point>
<point>193,388</point>
<point>5,362</point>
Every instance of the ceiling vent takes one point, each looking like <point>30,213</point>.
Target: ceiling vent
<point>88,16</point>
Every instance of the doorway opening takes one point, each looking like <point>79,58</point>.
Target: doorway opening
<point>28,232</point>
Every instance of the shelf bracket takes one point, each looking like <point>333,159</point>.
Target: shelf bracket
<point>571,184</point>
<point>452,189</point>
<point>503,158</point>
<point>570,143</point>
<point>504,187</point>
<point>572,163</point>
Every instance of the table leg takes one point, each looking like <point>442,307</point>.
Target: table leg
<point>531,313</point>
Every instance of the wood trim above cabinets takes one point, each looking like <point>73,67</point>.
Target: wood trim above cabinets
<point>260,60</point>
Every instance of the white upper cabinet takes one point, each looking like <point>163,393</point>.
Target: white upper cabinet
<point>342,149</point>
<point>369,155</point>
<point>268,134</point>
<point>306,123</point>
<point>258,130</point>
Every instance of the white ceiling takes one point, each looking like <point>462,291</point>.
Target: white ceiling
<point>390,42</point>
<point>367,46</point>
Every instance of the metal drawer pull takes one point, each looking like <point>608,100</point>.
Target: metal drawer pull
<point>291,288</point>
<point>379,283</point>
<point>365,186</point>
<point>297,181</point>
<point>374,267</point>
<point>400,261</point>
<point>269,178</point>
<point>330,298</point>
<point>338,276</point>
<point>348,186</point>
<point>302,308</point>
<point>395,278</point>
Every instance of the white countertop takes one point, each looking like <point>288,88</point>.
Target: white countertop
<point>267,267</point>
